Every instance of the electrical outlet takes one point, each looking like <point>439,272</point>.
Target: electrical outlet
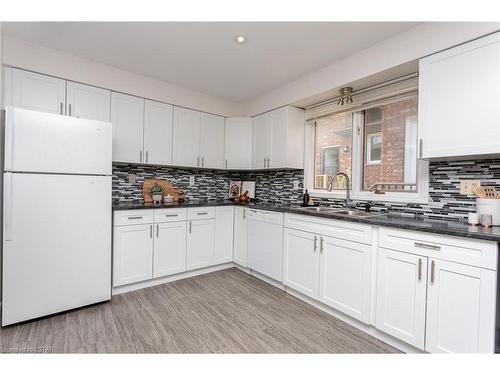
<point>296,185</point>
<point>191,180</point>
<point>132,178</point>
<point>467,186</point>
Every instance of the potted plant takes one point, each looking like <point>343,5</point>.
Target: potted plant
<point>157,193</point>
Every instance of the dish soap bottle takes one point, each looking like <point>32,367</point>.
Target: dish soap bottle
<point>305,201</point>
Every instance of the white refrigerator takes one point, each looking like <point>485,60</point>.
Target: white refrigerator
<point>56,214</point>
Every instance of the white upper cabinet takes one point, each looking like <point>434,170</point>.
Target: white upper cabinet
<point>238,144</point>
<point>87,102</point>
<point>460,308</point>
<point>34,91</point>
<point>186,137</point>
<point>278,139</point>
<point>127,116</point>
<point>158,133</point>
<point>212,141</point>
<point>459,100</point>
<point>261,140</point>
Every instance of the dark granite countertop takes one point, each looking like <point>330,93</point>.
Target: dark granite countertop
<point>394,220</point>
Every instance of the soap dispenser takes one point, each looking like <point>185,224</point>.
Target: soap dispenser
<point>305,201</point>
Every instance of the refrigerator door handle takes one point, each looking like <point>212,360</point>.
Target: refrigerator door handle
<point>9,139</point>
<point>7,235</point>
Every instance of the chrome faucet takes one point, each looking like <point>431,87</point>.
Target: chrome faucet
<point>348,202</point>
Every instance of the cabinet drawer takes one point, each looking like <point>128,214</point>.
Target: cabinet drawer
<point>330,227</point>
<point>199,213</point>
<point>461,250</point>
<point>164,215</point>
<point>266,216</point>
<point>132,217</point>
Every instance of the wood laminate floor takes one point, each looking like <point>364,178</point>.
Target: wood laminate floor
<point>221,312</point>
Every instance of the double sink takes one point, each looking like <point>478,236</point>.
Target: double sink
<point>339,211</point>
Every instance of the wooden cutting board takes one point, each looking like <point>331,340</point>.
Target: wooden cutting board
<point>176,193</point>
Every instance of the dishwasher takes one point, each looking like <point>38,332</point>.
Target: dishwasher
<point>265,243</point>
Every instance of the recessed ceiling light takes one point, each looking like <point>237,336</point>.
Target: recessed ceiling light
<point>240,39</point>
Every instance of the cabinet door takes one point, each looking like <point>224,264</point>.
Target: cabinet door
<point>88,102</point>
<point>34,91</point>
<point>261,140</point>
<point>459,92</point>
<point>132,254</point>
<point>158,133</point>
<point>169,248</point>
<point>279,138</point>
<point>301,262</point>
<point>200,244</point>
<point>238,145</point>
<point>127,116</point>
<point>223,234</point>
<point>401,296</point>
<point>460,308</point>
<point>186,138</point>
<point>345,276</point>
<point>240,236</point>
<point>212,141</point>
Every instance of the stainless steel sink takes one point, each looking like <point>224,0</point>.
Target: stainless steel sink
<point>358,213</point>
<point>320,209</point>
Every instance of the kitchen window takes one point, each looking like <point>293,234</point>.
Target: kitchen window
<point>373,141</point>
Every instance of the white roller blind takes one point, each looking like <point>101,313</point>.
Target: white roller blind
<point>396,89</point>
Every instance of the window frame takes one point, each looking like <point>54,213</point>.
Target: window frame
<point>368,149</point>
<point>420,196</point>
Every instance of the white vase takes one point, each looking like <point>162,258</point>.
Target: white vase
<point>157,198</point>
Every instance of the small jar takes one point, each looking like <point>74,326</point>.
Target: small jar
<point>486,220</point>
<point>473,218</point>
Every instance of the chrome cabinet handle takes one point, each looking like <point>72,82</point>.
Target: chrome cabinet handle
<point>198,161</point>
<point>315,243</point>
<point>151,231</point>
<point>264,162</point>
<point>69,109</point>
<point>202,161</point>
<point>190,223</point>
<point>226,163</point>
<point>202,213</point>
<point>433,266</point>
<point>171,215</point>
<point>419,269</point>
<point>140,156</point>
<point>321,245</point>
<point>147,156</point>
<point>427,246</point>
<point>134,217</point>
<point>268,162</point>
<point>61,110</point>
<point>244,214</point>
<point>420,147</point>
<point>157,230</point>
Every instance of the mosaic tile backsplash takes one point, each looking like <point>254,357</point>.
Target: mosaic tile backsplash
<point>276,186</point>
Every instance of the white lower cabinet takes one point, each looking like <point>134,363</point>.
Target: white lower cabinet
<point>169,248</point>
<point>223,251</point>
<point>301,262</point>
<point>401,296</point>
<point>345,276</point>
<point>132,253</point>
<point>460,308</point>
<point>200,243</point>
<point>240,236</point>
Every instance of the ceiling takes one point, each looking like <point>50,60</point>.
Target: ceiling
<point>203,56</point>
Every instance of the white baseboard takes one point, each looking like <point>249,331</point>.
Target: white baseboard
<point>167,279</point>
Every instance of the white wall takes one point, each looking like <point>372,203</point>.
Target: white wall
<point>417,42</point>
<point>44,60</point>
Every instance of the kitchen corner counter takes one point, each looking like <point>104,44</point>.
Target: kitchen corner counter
<point>394,220</point>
